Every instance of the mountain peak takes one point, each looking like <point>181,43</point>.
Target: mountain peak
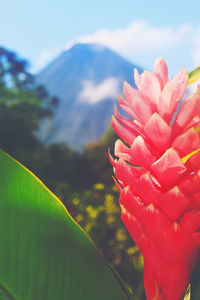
<point>88,47</point>
<point>87,79</point>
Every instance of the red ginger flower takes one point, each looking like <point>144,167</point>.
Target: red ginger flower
<point>160,197</point>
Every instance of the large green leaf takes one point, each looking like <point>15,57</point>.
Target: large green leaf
<point>44,254</point>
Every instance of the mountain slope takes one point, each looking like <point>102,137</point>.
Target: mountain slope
<point>87,79</point>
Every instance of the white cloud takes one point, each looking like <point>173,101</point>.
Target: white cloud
<point>137,37</point>
<point>142,43</point>
<point>93,94</point>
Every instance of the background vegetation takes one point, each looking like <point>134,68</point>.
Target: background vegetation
<point>82,181</point>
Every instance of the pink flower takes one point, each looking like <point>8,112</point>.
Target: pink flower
<point>159,186</point>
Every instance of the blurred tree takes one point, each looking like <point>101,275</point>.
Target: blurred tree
<point>23,105</point>
<point>58,165</point>
<point>96,155</point>
<point>13,70</point>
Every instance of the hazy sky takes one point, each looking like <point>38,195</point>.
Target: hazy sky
<point>139,30</point>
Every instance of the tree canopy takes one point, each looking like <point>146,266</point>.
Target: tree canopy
<point>23,105</point>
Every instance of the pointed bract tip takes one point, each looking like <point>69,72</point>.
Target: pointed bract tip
<point>111,159</point>
<point>183,72</point>
<point>137,76</point>
<point>159,60</point>
<point>120,99</point>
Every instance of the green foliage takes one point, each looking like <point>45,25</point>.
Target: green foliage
<point>13,70</point>
<point>84,183</point>
<point>74,177</point>
<point>58,165</point>
<point>44,253</point>
<point>96,155</point>
<point>194,75</point>
<point>22,107</point>
<point>98,213</point>
<point>19,119</point>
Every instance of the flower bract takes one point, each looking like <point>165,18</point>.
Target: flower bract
<point>157,172</point>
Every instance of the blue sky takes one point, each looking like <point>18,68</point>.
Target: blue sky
<point>139,30</point>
